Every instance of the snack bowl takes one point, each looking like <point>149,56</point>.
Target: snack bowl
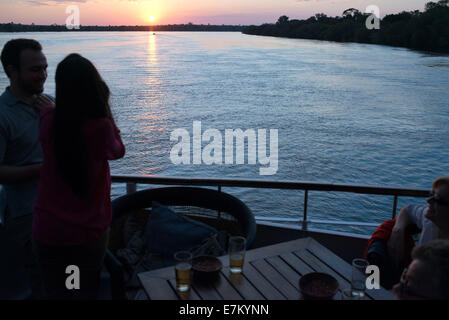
<point>318,286</point>
<point>206,268</point>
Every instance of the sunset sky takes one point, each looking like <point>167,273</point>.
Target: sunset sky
<point>137,12</point>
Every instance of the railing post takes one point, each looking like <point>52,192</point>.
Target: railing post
<point>395,205</point>
<point>304,218</point>
<point>131,187</point>
<point>219,212</point>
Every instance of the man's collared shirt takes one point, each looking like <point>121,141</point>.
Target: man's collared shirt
<point>19,146</point>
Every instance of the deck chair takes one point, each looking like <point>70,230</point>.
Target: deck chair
<point>219,205</point>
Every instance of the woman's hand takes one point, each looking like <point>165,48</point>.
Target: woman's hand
<point>43,102</point>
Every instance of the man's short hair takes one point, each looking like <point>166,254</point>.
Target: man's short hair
<point>12,50</point>
<point>436,254</point>
<point>440,182</point>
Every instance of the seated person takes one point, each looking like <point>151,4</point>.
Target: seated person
<point>391,245</point>
<point>432,220</point>
<point>427,276</point>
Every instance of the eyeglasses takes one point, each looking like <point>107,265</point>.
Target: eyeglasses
<point>437,199</point>
<point>405,290</point>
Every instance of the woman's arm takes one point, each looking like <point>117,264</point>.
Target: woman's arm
<point>43,102</point>
<point>16,174</point>
<point>114,145</point>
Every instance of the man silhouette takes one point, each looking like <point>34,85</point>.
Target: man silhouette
<point>20,162</point>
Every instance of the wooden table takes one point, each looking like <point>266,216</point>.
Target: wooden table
<point>271,273</point>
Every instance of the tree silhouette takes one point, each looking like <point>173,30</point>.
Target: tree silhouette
<point>282,20</point>
<point>351,13</point>
<point>433,5</point>
<point>321,17</point>
<point>428,30</point>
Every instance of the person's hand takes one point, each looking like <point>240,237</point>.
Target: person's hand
<point>42,102</point>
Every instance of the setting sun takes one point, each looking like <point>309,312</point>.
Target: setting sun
<point>151,18</point>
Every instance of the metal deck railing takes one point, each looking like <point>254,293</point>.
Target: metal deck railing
<point>132,181</point>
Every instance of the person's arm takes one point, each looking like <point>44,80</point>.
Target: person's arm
<point>403,221</point>
<point>10,174</point>
<point>43,102</point>
<point>104,139</point>
<point>15,174</point>
<point>115,148</point>
<point>396,243</point>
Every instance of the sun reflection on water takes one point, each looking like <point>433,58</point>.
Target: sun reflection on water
<point>151,121</point>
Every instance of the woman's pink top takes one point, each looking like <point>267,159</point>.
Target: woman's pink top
<point>61,217</point>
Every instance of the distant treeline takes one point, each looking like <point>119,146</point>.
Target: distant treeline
<point>17,27</point>
<point>428,30</point>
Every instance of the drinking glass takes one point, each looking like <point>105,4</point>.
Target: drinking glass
<point>346,294</point>
<point>237,248</point>
<point>358,278</point>
<point>183,269</point>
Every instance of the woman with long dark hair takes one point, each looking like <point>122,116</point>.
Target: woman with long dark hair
<point>73,209</point>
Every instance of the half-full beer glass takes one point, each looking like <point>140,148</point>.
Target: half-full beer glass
<point>237,248</point>
<point>183,269</point>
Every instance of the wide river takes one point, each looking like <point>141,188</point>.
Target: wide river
<point>345,113</point>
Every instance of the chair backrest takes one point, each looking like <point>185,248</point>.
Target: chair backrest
<point>189,196</point>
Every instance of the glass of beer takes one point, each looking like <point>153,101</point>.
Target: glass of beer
<point>237,248</point>
<point>183,269</point>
